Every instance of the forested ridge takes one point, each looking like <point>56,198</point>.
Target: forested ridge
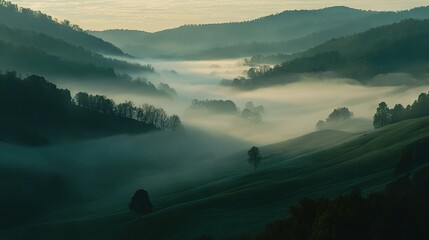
<point>398,48</point>
<point>36,112</point>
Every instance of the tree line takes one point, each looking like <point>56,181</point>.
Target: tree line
<point>338,115</point>
<point>33,98</point>
<point>250,112</point>
<point>385,115</point>
<point>145,113</point>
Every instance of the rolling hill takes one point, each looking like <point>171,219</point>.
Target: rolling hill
<point>66,51</point>
<point>35,113</point>
<point>33,43</point>
<point>236,200</point>
<point>398,48</point>
<point>14,16</point>
<point>287,32</point>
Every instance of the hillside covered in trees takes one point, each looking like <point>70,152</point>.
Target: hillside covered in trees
<point>64,50</point>
<point>23,18</point>
<point>35,112</point>
<point>397,48</point>
<point>286,32</point>
<point>34,43</point>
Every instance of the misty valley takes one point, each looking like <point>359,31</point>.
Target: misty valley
<point>301,125</point>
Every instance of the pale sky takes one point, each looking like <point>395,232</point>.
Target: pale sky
<point>155,15</point>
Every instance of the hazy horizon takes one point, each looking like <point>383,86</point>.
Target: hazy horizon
<point>155,16</point>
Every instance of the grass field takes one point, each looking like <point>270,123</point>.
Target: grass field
<point>229,198</point>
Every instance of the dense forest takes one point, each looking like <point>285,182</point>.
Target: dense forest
<point>361,56</point>
<point>36,112</point>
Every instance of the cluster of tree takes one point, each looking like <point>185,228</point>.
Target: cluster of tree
<point>266,59</point>
<point>250,112</point>
<point>214,106</point>
<point>23,18</point>
<point>338,115</point>
<point>35,112</point>
<point>398,212</point>
<point>31,97</point>
<point>145,113</point>
<point>385,116</point>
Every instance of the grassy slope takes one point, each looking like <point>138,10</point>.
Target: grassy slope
<point>242,200</point>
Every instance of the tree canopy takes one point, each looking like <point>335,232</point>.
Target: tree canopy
<point>140,203</point>
<point>385,116</point>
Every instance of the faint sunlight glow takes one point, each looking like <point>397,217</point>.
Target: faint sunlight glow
<point>155,15</point>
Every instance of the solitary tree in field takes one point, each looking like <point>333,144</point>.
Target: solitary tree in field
<point>140,203</point>
<point>254,157</point>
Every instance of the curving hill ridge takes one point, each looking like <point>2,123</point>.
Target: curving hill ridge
<point>27,19</point>
<point>287,32</point>
<point>239,200</point>
<point>398,48</point>
<point>59,48</point>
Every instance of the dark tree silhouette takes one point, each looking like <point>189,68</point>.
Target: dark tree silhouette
<point>254,157</point>
<point>338,115</point>
<point>140,203</point>
<point>383,116</point>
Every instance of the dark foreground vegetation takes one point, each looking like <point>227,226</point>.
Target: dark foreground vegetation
<point>400,211</point>
<point>35,112</point>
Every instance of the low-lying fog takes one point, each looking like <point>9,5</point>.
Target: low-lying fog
<point>291,110</point>
<point>165,163</point>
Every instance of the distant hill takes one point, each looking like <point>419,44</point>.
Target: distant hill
<point>64,50</point>
<point>23,18</point>
<point>33,43</point>
<point>189,40</point>
<point>286,32</point>
<point>29,60</point>
<point>398,48</point>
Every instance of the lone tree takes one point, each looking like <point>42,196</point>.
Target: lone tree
<point>254,157</point>
<point>140,203</point>
<point>383,116</point>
